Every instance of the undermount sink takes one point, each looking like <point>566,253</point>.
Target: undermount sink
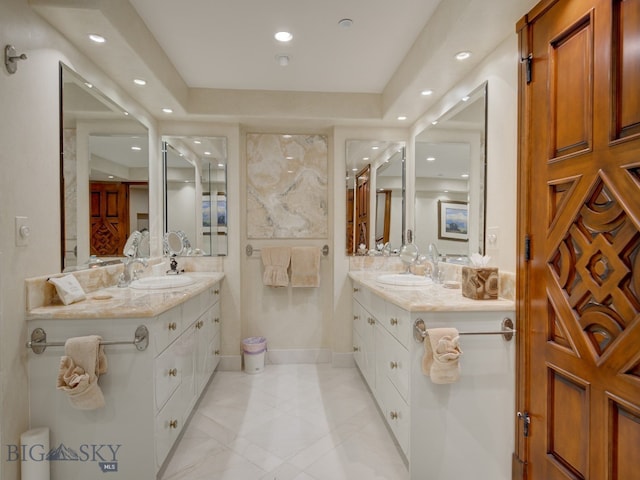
<point>160,282</point>
<point>404,279</point>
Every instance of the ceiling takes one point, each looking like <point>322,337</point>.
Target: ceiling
<point>216,60</point>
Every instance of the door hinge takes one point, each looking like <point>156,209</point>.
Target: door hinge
<point>526,419</point>
<point>528,60</point>
<point>527,248</point>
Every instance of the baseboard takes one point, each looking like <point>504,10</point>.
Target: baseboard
<point>230,363</point>
<point>342,360</point>
<point>293,356</point>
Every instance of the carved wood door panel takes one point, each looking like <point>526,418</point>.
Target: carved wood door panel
<point>362,207</point>
<point>109,218</point>
<point>579,226</point>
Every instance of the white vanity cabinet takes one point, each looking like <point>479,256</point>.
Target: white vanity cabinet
<point>149,394</point>
<point>437,425</point>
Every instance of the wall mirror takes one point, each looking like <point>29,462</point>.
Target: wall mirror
<point>196,191</point>
<point>450,166</point>
<point>104,175</point>
<point>375,195</point>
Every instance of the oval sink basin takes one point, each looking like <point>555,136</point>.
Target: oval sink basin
<point>404,279</point>
<point>165,281</point>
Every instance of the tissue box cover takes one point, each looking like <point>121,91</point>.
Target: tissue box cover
<point>480,283</point>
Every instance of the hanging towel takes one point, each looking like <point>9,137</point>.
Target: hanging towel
<point>442,353</point>
<point>84,361</point>
<point>276,263</point>
<point>305,266</point>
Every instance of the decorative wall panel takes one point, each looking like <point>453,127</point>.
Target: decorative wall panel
<point>286,186</point>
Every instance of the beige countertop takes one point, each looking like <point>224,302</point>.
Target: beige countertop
<point>114,302</point>
<point>429,298</point>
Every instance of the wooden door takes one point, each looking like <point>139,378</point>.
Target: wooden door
<point>109,218</point>
<point>579,242</point>
<point>351,231</point>
<point>363,197</point>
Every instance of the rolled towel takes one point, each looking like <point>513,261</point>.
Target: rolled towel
<point>305,266</point>
<point>79,371</point>
<point>442,352</point>
<point>276,262</point>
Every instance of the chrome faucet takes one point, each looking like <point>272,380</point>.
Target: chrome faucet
<point>128,273</point>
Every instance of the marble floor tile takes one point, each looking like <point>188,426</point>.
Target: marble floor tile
<point>290,422</point>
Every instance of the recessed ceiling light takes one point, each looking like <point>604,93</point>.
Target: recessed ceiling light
<point>446,191</point>
<point>289,171</point>
<point>125,113</point>
<point>426,93</point>
<point>286,136</point>
<point>289,158</point>
<point>94,37</point>
<point>365,158</point>
<point>466,98</point>
<point>186,181</point>
<point>110,176</point>
<point>435,122</point>
<point>136,148</point>
<point>139,81</point>
<point>431,159</point>
<point>197,142</point>
<point>375,147</point>
<point>345,22</point>
<point>207,153</point>
<point>463,55</point>
<point>88,85</point>
<point>283,36</point>
<point>402,117</point>
<point>354,169</point>
<point>167,110</point>
<point>465,175</point>
<point>221,165</point>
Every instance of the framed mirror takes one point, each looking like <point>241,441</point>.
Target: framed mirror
<point>375,195</point>
<point>196,191</point>
<point>450,166</point>
<point>104,175</point>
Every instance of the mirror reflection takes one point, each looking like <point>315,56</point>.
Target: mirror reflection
<point>196,192</point>
<point>104,172</point>
<point>375,195</point>
<point>450,166</point>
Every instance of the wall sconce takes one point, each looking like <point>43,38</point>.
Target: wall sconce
<point>11,58</point>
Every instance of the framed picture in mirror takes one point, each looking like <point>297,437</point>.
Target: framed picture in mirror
<point>453,220</point>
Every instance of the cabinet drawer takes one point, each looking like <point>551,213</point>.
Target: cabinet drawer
<point>166,328</point>
<point>214,357</point>
<point>394,362</point>
<point>397,416</point>
<point>168,424</point>
<point>359,316</point>
<point>213,317</point>
<point>398,322</point>
<point>173,367</point>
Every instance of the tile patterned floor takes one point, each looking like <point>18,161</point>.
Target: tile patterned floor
<point>290,422</point>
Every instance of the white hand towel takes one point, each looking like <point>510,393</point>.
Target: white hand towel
<point>276,262</point>
<point>79,370</point>
<point>442,353</point>
<point>305,266</point>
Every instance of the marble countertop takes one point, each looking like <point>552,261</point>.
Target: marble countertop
<point>114,302</point>
<point>429,298</point>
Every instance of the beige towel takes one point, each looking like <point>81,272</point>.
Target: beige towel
<point>83,362</point>
<point>442,353</point>
<point>305,266</point>
<point>276,263</point>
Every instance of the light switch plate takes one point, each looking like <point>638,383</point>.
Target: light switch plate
<point>23,230</point>
<point>493,238</point>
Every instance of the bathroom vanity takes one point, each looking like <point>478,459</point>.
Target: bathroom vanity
<point>444,431</point>
<point>150,388</point>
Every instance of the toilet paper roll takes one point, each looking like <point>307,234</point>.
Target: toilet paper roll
<point>34,448</point>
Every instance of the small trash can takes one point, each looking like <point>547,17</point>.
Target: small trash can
<point>254,349</point>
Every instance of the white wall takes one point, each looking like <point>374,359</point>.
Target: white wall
<point>499,69</point>
<point>29,158</point>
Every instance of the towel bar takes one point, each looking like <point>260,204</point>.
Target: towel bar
<point>249,250</point>
<point>39,344</point>
<point>507,331</point>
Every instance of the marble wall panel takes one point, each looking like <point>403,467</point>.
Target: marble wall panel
<point>287,186</point>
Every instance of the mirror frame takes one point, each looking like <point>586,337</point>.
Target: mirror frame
<point>478,210</point>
